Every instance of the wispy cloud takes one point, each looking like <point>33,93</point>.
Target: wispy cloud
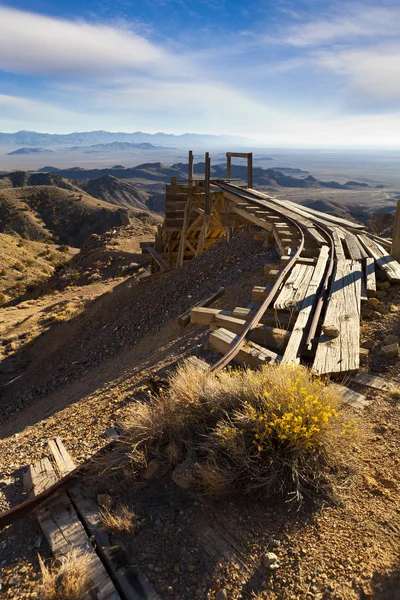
<point>353,24</point>
<point>36,44</point>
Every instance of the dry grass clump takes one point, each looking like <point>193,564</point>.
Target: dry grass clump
<point>276,430</point>
<point>67,578</point>
<point>65,311</point>
<point>120,521</point>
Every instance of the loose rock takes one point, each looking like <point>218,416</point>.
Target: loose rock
<point>331,331</point>
<point>390,351</point>
<point>271,561</point>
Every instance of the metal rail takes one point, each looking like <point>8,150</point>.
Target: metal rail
<point>230,355</point>
<point>254,199</point>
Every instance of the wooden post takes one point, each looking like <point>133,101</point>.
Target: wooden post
<point>190,169</point>
<point>250,170</point>
<point>395,250</point>
<point>228,165</point>
<point>207,174</point>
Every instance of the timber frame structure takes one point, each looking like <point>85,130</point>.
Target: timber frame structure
<point>312,300</point>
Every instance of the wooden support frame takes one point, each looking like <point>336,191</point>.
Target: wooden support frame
<point>249,157</point>
<point>395,249</point>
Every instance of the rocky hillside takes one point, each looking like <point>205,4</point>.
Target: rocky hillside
<point>48,213</point>
<point>115,191</point>
<point>24,263</point>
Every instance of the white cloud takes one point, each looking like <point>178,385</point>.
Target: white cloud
<point>36,44</point>
<point>374,73</point>
<point>354,23</point>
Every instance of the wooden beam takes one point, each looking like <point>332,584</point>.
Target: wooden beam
<point>395,248</point>
<point>385,261</point>
<point>250,354</point>
<point>184,319</point>
<point>270,337</point>
<point>370,277</point>
<point>159,259</point>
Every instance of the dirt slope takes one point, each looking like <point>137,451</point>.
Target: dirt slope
<point>45,213</point>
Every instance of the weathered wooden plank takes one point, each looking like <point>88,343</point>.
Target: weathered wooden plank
<point>63,460</point>
<point>203,316</point>
<point>271,337</point>
<point>372,381</point>
<point>337,240</point>
<point>354,248</point>
<point>90,515</point>
<point>253,218</point>
<point>64,531</point>
<point>382,258</point>
<point>370,277</point>
<point>342,353</point>
<point>270,317</point>
<point>304,318</point>
<point>295,287</point>
<point>351,397</point>
<point>184,319</point>
<point>250,354</point>
<point>158,258</point>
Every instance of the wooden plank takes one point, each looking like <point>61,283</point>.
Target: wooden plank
<point>203,316</point>
<point>256,219</point>
<point>372,381</point>
<point>386,262</point>
<point>354,248</point>
<point>184,319</point>
<point>63,460</point>
<point>270,317</point>
<point>158,258</point>
<point>335,355</point>
<point>337,240</point>
<point>271,337</point>
<point>370,277</point>
<point>304,318</point>
<point>90,515</point>
<point>250,354</point>
<point>351,397</point>
<point>64,531</point>
<point>294,289</point>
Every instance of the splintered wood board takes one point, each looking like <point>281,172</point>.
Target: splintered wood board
<point>64,531</point>
<point>250,354</point>
<point>295,287</point>
<point>384,261</point>
<point>336,355</point>
<point>304,318</point>
<point>374,382</point>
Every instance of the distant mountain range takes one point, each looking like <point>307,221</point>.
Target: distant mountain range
<point>29,151</point>
<point>88,138</point>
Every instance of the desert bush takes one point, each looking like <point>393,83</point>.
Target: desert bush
<point>65,311</point>
<point>275,430</point>
<point>67,578</point>
<point>119,521</point>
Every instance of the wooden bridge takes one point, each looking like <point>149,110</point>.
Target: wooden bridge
<point>310,306</point>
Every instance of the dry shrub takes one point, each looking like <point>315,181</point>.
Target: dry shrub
<point>120,521</point>
<point>68,577</point>
<point>65,311</point>
<point>275,430</point>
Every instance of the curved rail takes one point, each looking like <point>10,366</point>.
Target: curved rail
<point>253,198</point>
<point>230,355</point>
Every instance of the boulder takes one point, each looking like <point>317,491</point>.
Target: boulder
<point>390,339</point>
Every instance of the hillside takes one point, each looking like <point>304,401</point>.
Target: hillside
<point>23,178</point>
<point>115,191</point>
<point>48,213</point>
<point>24,263</point>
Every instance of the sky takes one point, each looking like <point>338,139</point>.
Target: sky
<point>306,73</point>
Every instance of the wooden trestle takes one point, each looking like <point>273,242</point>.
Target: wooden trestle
<point>314,315</point>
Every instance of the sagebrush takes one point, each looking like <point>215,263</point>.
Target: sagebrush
<point>275,430</point>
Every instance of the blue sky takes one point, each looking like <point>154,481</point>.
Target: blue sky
<point>287,73</point>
